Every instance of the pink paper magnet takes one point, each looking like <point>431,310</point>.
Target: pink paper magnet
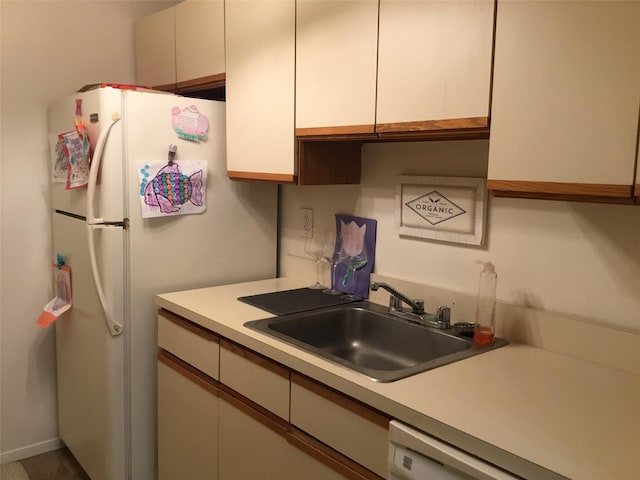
<point>189,123</point>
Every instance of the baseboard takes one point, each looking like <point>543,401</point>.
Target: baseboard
<point>31,450</point>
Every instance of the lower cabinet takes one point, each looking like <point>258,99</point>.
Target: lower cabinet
<point>343,424</point>
<point>187,422</point>
<point>254,446</point>
<point>259,421</point>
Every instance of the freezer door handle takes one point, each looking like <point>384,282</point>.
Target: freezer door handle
<point>114,327</point>
<point>95,168</point>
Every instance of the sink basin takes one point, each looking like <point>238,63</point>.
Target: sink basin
<point>364,337</point>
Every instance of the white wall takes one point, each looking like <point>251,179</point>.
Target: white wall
<point>48,49</point>
<point>577,259</point>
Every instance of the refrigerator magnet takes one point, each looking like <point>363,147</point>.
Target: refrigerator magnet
<point>189,123</point>
<point>172,188</point>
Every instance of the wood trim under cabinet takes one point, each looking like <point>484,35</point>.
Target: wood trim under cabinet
<point>188,371</point>
<point>431,125</point>
<point>203,83</point>
<point>337,130</point>
<point>636,190</point>
<point>434,135</point>
<point>188,325</point>
<point>255,358</point>
<point>565,197</point>
<point>262,177</point>
<point>342,400</point>
<point>584,189</point>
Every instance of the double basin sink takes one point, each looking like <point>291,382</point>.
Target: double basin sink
<point>364,337</point>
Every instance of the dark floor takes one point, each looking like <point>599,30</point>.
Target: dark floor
<point>55,465</point>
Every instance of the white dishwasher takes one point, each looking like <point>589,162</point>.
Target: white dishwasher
<point>414,455</point>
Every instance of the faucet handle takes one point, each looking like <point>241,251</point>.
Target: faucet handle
<point>443,315</point>
<point>420,304</point>
<point>395,303</point>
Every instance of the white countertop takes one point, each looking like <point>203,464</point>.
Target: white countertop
<point>533,412</point>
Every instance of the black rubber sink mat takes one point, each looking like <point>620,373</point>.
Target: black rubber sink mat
<point>295,301</point>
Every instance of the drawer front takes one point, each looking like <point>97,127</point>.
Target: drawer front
<point>255,377</point>
<point>351,428</point>
<point>189,342</point>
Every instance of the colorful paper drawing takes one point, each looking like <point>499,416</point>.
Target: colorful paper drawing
<point>63,299</point>
<point>354,254</point>
<point>171,188</point>
<point>75,147</point>
<point>189,123</point>
<point>58,160</point>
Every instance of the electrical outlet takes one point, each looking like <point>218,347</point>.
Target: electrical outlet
<point>307,222</point>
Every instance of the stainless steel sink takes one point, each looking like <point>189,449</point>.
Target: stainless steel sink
<point>363,337</point>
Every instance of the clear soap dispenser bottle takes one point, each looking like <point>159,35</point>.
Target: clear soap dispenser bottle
<point>484,328</point>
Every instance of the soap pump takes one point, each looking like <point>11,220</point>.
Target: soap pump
<point>484,329</point>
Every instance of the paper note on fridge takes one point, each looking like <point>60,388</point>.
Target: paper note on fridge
<point>173,188</point>
<point>63,299</point>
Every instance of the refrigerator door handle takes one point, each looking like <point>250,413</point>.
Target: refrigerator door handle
<point>95,167</point>
<point>114,327</point>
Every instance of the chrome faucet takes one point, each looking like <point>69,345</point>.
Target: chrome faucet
<point>441,320</point>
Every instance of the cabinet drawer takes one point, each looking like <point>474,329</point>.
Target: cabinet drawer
<point>189,342</point>
<point>257,378</point>
<point>353,429</point>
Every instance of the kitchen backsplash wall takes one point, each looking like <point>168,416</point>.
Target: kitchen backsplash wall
<point>577,259</point>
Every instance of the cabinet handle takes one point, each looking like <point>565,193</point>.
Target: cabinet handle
<point>189,372</point>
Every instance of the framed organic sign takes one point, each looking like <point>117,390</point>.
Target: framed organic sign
<point>450,209</point>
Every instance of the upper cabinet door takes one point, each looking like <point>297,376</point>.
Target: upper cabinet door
<point>566,95</point>
<point>199,39</point>
<point>260,56</point>
<point>434,64</point>
<point>336,48</point>
<point>155,50</point>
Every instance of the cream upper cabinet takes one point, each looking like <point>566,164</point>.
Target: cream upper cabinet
<point>434,64</point>
<point>336,49</point>
<point>566,96</point>
<point>182,46</point>
<point>260,72</point>
<point>156,50</point>
<point>199,39</point>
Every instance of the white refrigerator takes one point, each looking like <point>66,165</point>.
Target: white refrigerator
<point>106,343</point>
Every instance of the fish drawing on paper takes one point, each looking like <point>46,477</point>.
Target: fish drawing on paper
<point>170,189</point>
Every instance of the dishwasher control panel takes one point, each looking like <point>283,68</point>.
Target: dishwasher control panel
<point>415,455</point>
<point>409,465</point>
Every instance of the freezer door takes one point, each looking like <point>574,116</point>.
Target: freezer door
<point>90,361</point>
<point>98,108</point>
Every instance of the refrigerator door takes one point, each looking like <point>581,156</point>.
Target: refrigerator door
<point>91,363</point>
<point>98,108</point>
<point>234,240</point>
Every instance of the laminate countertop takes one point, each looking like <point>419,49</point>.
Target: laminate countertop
<point>535,413</point>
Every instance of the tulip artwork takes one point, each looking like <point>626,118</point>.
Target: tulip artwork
<point>354,254</point>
